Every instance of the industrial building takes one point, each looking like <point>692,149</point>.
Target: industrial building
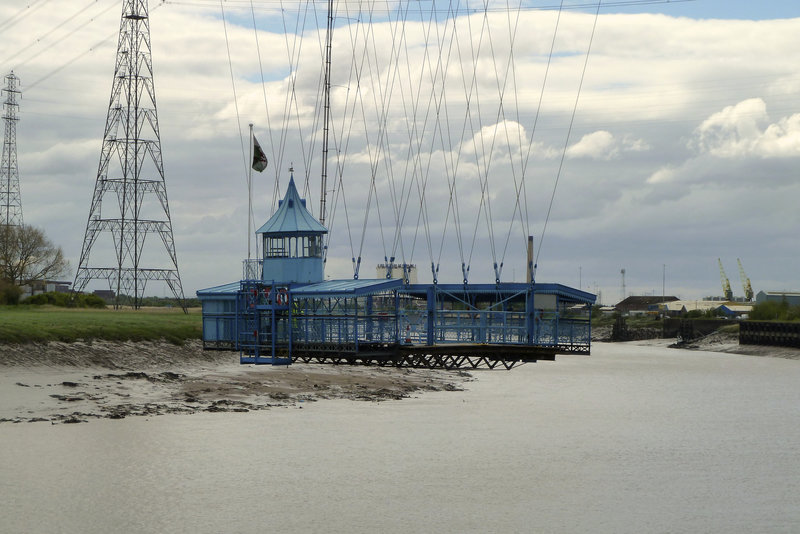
<point>639,305</point>
<point>791,297</point>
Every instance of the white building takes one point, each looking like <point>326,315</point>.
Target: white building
<point>397,271</point>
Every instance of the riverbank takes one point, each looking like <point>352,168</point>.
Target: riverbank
<point>77,382</point>
<point>719,341</point>
<point>42,324</point>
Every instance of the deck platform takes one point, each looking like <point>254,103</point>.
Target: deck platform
<point>456,356</point>
<point>387,323</point>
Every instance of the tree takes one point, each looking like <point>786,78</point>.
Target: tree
<point>26,255</point>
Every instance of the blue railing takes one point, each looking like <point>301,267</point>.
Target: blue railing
<point>265,331</point>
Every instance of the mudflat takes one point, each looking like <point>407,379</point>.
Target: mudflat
<point>80,381</point>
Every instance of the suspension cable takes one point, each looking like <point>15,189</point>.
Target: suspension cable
<point>238,118</point>
<point>275,168</point>
<point>521,189</point>
<point>569,132</point>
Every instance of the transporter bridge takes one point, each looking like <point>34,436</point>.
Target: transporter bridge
<point>283,311</point>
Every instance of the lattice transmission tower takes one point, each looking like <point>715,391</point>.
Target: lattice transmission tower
<point>10,199</point>
<point>130,195</point>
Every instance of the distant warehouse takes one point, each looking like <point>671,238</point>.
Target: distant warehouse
<point>640,305</point>
<point>791,297</point>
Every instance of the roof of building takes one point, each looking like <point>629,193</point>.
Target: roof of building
<point>738,308</point>
<point>292,217</point>
<point>673,306</point>
<point>224,289</point>
<point>701,305</point>
<point>564,293</point>
<point>347,287</point>
<point>643,301</point>
<point>782,293</point>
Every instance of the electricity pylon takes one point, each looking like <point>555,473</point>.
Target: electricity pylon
<point>10,198</point>
<point>130,178</point>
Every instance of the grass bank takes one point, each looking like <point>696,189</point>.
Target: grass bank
<point>27,324</point>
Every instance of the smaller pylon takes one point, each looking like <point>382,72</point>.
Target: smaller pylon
<point>10,198</point>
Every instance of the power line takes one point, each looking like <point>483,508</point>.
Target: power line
<point>21,14</point>
<point>281,5</point>
<point>55,28</point>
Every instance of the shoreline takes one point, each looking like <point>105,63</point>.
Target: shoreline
<point>722,343</point>
<point>77,382</point>
<point>80,381</point>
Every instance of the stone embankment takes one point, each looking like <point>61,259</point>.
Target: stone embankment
<point>715,341</point>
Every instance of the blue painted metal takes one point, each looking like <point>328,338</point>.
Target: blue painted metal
<point>358,287</point>
<point>272,323</point>
<point>287,310</point>
<point>292,242</point>
<point>292,217</point>
<point>219,316</point>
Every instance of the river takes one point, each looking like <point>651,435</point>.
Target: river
<point>630,439</point>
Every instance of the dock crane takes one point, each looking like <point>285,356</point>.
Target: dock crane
<point>726,284</point>
<point>748,289</point>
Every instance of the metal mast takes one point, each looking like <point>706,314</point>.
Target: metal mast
<point>130,177</point>
<point>326,113</point>
<point>10,199</point>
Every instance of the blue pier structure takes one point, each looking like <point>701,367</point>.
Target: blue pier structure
<point>283,311</point>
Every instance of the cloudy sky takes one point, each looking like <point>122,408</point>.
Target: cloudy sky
<point>676,143</point>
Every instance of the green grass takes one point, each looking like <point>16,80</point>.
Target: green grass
<point>26,324</point>
<point>730,329</point>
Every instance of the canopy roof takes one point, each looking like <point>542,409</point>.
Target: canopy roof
<point>292,217</point>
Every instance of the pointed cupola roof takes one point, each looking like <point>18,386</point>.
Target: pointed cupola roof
<point>292,217</point>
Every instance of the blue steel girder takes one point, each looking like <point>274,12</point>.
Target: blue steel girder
<point>364,317</point>
<point>262,326</point>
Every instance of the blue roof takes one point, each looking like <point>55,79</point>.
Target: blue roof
<point>292,217</point>
<point>350,287</point>
<point>226,289</point>
<point>347,287</point>
<point>565,293</point>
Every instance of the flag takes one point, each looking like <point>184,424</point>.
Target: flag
<point>259,158</point>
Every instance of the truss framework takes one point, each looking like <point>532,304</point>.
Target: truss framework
<point>10,198</point>
<point>395,327</point>
<point>130,195</point>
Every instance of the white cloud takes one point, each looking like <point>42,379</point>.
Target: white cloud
<point>597,145</point>
<point>604,146</point>
<point>743,130</point>
<point>641,176</point>
<point>664,175</point>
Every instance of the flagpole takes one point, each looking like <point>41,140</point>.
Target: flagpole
<point>250,194</point>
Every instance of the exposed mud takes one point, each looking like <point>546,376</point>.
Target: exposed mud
<point>714,342</point>
<point>729,342</point>
<point>77,382</point>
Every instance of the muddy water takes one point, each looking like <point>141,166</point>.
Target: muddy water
<point>632,439</point>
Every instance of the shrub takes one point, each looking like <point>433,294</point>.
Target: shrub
<point>66,300</point>
<point>770,311</point>
<point>9,293</point>
<point>775,311</point>
<point>91,301</point>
